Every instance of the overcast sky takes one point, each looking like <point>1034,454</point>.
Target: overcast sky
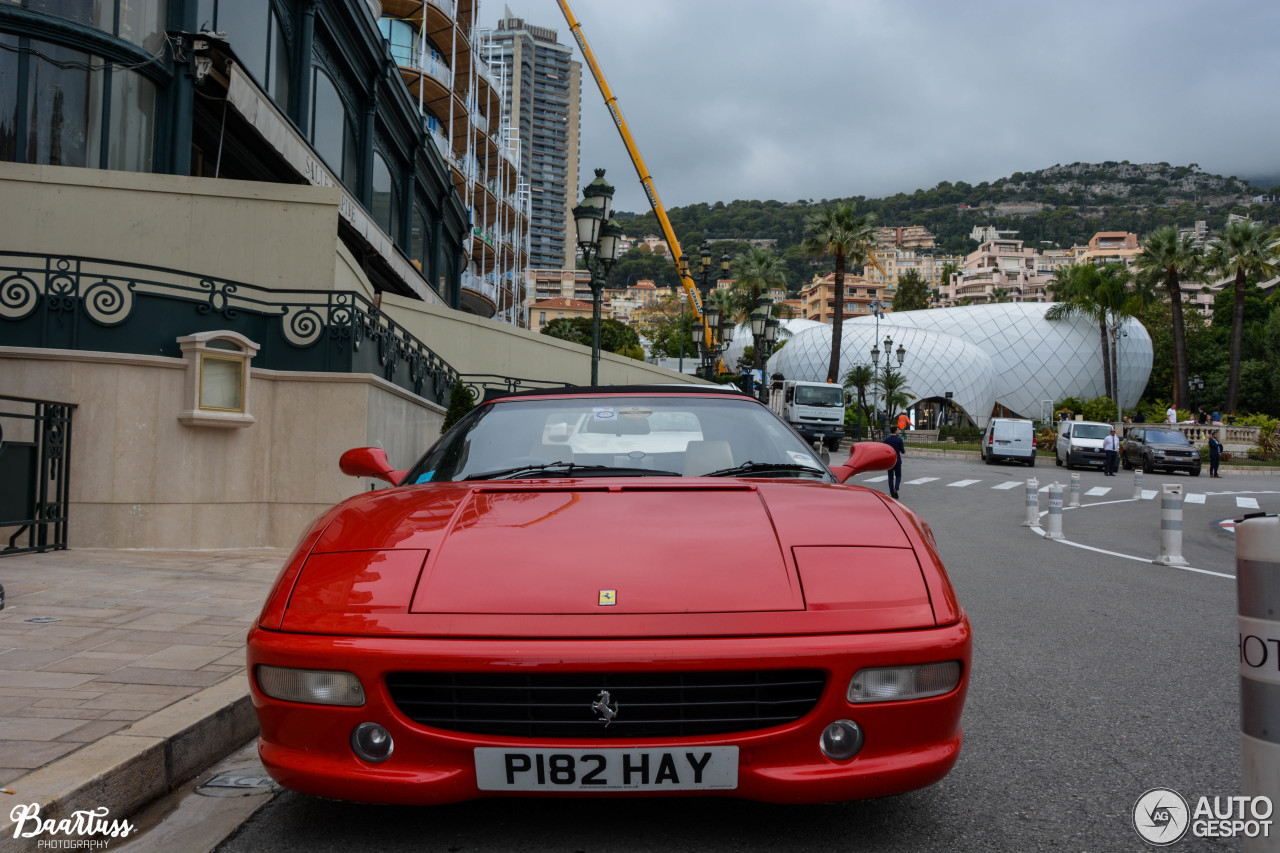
<point>800,99</point>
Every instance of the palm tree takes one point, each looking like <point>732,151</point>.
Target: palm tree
<point>895,391</point>
<point>1244,250</point>
<point>756,272</point>
<point>1075,291</point>
<point>1001,294</point>
<point>849,238</point>
<point>1170,257</point>
<point>858,379</point>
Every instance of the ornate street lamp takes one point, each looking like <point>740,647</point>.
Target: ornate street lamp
<point>889,353</point>
<point>1197,385</point>
<point>598,239</point>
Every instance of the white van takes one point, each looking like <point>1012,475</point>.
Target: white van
<point>1080,443</point>
<point>1009,438</point>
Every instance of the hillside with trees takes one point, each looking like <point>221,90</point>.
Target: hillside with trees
<point>1055,207</point>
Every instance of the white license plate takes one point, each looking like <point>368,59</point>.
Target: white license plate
<point>708,768</point>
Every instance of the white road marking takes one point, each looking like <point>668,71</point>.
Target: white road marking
<point>960,484</point>
<point>1012,484</point>
<point>1194,499</point>
<point>921,481</point>
<point>1039,531</point>
<point>1097,491</point>
<point>879,479</point>
<point>1149,494</point>
<point>1247,503</point>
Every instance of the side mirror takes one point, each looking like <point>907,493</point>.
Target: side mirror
<point>866,456</point>
<point>370,462</point>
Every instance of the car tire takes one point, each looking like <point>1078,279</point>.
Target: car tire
<point>833,444</point>
<point>988,459</point>
<point>1147,467</point>
<point>1195,472</point>
<point>1031,463</point>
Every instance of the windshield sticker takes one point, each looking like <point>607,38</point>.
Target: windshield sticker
<point>635,412</point>
<point>424,478</point>
<point>601,413</point>
<point>802,459</point>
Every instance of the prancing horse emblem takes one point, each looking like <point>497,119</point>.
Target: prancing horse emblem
<point>605,709</point>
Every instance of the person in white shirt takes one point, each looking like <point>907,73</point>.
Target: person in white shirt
<point>1171,415</point>
<point>1110,446</point>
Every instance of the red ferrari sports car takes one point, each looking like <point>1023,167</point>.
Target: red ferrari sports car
<point>634,591</point>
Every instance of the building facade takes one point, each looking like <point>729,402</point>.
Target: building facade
<point>819,298</point>
<point>541,104</point>
<point>999,271</point>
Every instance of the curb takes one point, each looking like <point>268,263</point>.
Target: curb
<point>127,770</point>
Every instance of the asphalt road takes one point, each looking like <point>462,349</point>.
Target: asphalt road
<point>1095,678</point>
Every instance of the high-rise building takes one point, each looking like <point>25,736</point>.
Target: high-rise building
<point>542,103</point>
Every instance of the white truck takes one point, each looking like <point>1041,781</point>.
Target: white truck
<point>814,409</point>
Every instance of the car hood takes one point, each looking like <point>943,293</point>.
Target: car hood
<point>658,550</point>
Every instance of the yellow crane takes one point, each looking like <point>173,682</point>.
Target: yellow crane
<point>646,181</point>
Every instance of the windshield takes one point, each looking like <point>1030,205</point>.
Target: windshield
<point>1092,431</point>
<point>819,395</point>
<point>1166,437</point>
<point>630,436</point>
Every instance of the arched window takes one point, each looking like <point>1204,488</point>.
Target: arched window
<point>420,241</point>
<point>332,132</point>
<point>386,200</point>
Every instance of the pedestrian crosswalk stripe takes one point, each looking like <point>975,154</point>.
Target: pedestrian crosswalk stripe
<point>1148,494</point>
<point>1012,484</point>
<point>1247,503</point>
<point>921,481</point>
<point>1194,499</point>
<point>960,484</point>
<point>879,479</point>
<point>1097,491</point>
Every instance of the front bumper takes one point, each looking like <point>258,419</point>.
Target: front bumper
<point>909,744</point>
<point>818,432</point>
<point>1087,457</point>
<point>1177,463</point>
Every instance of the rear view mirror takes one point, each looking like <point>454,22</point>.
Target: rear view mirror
<point>866,456</point>
<point>370,462</point>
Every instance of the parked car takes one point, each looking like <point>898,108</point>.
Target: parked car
<point>612,591</point>
<point>1009,438</point>
<point>1160,448</point>
<point>1080,443</point>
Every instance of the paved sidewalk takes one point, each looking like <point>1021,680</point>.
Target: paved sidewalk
<point>108,656</point>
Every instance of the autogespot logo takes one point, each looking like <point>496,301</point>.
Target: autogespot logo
<point>1161,816</point>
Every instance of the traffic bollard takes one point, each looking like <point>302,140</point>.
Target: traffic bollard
<point>1075,491</point>
<point>1033,503</point>
<point>1137,485</point>
<point>1171,527</point>
<point>1053,530</point>
<point>1258,594</point>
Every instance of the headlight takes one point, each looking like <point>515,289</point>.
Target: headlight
<point>1156,452</point>
<point>898,683</point>
<point>314,687</point>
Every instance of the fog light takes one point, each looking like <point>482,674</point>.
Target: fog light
<point>315,687</point>
<point>841,740</point>
<point>899,683</point>
<point>371,742</point>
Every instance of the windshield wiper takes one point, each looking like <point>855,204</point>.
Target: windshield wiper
<point>750,467</point>
<point>566,469</point>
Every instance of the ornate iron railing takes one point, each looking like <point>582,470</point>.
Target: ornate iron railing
<point>35,459</point>
<point>486,385</point>
<point>68,302</point>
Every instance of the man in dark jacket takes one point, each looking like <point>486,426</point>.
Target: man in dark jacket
<point>1215,455</point>
<point>895,473</point>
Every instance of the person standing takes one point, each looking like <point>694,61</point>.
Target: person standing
<point>1171,415</point>
<point>1215,455</point>
<point>1110,446</point>
<point>895,473</point>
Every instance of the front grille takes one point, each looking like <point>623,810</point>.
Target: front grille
<point>559,705</point>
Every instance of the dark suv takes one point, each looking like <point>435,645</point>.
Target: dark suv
<point>1160,448</point>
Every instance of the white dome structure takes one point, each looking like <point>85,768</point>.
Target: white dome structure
<point>742,338</point>
<point>1005,353</point>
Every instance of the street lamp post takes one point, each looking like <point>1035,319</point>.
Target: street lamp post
<point>1197,385</point>
<point>598,239</point>
<point>889,352</point>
